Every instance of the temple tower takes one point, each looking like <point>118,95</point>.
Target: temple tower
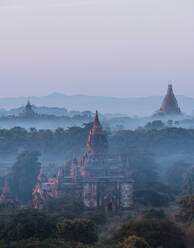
<point>97,144</point>
<point>170,104</point>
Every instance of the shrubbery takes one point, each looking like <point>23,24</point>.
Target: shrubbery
<point>157,233</point>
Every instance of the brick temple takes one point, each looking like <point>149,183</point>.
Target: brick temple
<point>101,180</point>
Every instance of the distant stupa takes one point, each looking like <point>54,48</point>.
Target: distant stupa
<point>28,111</point>
<point>170,104</point>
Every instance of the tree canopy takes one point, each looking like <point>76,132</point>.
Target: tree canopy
<point>23,175</point>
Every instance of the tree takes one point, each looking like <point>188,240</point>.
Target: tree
<point>170,123</point>
<point>153,197</point>
<point>23,175</point>
<point>25,224</point>
<point>65,204</point>
<point>186,205</point>
<point>175,175</point>
<point>154,214</point>
<point>188,181</point>
<point>2,182</point>
<point>157,233</point>
<point>142,166</point>
<point>133,242</point>
<point>157,125</point>
<point>78,231</point>
<point>99,217</point>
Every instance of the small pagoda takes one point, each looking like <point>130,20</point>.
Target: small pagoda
<point>28,112</point>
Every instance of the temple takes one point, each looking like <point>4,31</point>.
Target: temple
<point>28,111</point>
<point>170,104</point>
<point>100,179</point>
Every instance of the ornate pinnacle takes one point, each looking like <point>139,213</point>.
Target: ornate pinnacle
<point>96,121</point>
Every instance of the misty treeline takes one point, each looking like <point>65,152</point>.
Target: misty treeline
<point>43,121</point>
<point>64,143</point>
<point>160,160</point>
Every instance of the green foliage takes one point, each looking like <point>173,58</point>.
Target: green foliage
<point>78,231</point>
<point>48,142</point>
<point>142,166</point>
<point>47,243</point>
<point>25,224</point>
<point>188,181</point>
<point>157,125</point>
<point>67,205</point>
<point>151,198</point>
<point>6,207</point>
<point>158,233</point>
<point>35,243</point>
<point>66,142</point>
<point>186,205</point>
<point>164,141</point>
<point>154,214</point>
<point>147,189</point>
<point>98,217</point>
<point>2,182</point>
<point>175,175</point>
<point>133,242</point>
<point>23,175</point>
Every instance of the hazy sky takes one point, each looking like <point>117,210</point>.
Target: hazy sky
<point>120,48</point>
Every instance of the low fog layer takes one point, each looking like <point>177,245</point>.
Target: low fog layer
<point>144,106</point>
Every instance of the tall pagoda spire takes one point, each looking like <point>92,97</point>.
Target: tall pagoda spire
<point>97,124</point>
<point>170,104</point>
<point>96,142</point>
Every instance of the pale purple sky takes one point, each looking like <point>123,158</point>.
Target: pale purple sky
<point>123,48</point>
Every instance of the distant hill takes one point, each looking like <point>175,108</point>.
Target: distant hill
<point>131,106</point>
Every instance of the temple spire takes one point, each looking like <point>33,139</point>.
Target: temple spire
<point>96,121</point>
<point>97,141</point>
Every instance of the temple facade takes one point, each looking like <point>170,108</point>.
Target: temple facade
<point>170,104</point>
<point>101,180</point>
